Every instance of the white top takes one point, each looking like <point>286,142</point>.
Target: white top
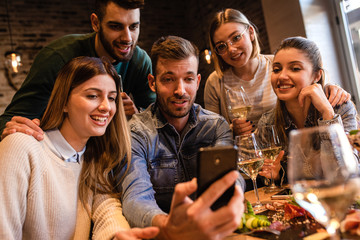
<point>39,195</point>
<point>259,90</point>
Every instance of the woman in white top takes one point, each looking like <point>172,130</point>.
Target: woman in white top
<point>238,62</point>
<point>55,188</point>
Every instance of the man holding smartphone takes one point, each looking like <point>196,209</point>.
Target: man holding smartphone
<point>158,187</point>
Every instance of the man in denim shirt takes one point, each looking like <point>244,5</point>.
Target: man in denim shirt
<point>165,141</point>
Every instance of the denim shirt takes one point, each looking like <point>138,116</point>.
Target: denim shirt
<point>162,158</point>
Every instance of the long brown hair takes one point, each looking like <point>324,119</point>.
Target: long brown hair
<point>227,16</point>
<point>312,52</point>
<point>103,153</point>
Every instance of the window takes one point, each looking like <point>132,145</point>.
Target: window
<point>348,12</point>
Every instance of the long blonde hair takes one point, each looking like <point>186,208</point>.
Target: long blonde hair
<point>227,16</point>
<point>103,153</point>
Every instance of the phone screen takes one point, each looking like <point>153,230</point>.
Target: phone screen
<point>214,163</point>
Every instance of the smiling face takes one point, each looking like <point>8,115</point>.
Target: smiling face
<point>292,71</point>
<point>175,85</point>
<point>118,32</point>
<point>237,55</point>
<point>89,110</point>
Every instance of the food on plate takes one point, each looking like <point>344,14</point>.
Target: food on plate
<point>279,226</point>
<point>274,206</point>
<point>351,223</point>
<point>354,139</point>
<point>293,210</point>
<point>251,221</point>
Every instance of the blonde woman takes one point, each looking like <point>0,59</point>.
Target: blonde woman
<point>238,63</point>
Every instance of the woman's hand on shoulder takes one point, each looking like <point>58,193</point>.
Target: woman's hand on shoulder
<point>318,98</point>
<point>336,94</point>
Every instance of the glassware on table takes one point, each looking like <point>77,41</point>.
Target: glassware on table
<point>270,146</point>
<point>238,103</point>
<point>250,161</point>
<point>323,174</point>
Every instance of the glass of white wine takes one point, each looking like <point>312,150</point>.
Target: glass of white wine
<point>323,174</point>
<point>271,146</point>
<point>250,161</point>
<point>239,105</point>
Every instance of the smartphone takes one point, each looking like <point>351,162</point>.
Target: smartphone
<point>282,195</point>
<point>212,164</point>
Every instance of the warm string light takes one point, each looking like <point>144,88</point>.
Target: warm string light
<point>12,58</point>
<point>12,61</point>
<point>207,56</point>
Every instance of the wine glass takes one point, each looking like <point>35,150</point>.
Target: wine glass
<point>250,161</point>
<point>238,103</point>
<point>323,174</point>
<point>271,146</point>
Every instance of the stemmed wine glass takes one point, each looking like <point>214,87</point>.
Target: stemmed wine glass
<point>238,102</point>
<point>250,161</point>
<point>271,146</point>
<point>323,174</point>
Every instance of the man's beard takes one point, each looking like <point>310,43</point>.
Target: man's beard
<point>110,50</point>
<point>162,104</point>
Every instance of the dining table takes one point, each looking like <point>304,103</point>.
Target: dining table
<point>299,228</point>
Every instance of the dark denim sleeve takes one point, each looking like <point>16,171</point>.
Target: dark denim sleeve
<point>138,202</point>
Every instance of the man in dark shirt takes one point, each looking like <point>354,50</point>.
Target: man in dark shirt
<point>116,24</point>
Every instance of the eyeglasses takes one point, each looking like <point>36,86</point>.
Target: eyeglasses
<point>222,47</point>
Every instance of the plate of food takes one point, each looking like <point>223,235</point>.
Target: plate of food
<point>287,220</point>
<point>354,138</point>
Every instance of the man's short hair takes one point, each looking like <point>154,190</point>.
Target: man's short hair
<point>172,47</point>
<point>100,5</point>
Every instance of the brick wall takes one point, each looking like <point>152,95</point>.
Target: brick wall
<point>34,24</point>
<point>37,22</point>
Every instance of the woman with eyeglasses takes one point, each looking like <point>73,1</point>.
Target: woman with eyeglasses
<point>238,63</point>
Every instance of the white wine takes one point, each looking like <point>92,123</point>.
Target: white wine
<point>251,167</point>
<point>271,152</point>
<point>241,112</point>
<point>326,203</point>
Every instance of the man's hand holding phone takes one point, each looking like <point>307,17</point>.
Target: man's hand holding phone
<point>190,219</point>
<point>213,163</point>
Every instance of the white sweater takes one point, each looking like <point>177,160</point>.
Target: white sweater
<point>39,195</point>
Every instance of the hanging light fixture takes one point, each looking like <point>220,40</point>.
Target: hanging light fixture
<point>207,54</point>
<point>12,58</point>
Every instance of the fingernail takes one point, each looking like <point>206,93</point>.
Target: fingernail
<point>253,125</point>
<point>247,120</point>
<point>252,131</point>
